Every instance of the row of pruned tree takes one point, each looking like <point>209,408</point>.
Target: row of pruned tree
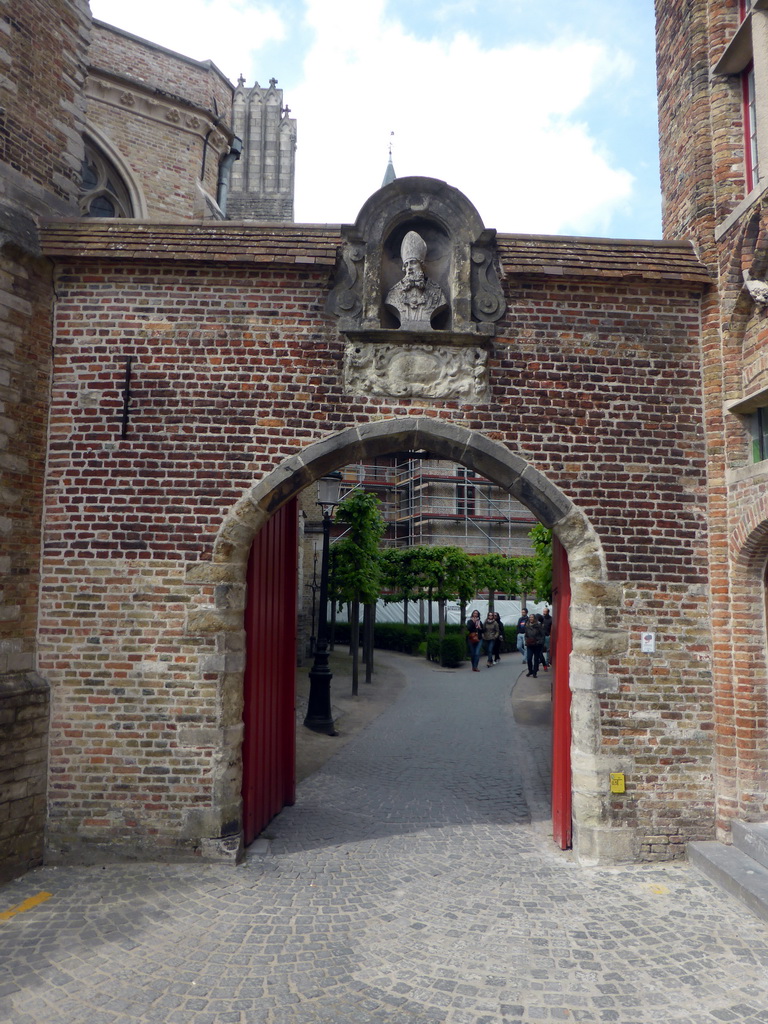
<point>361,573</point>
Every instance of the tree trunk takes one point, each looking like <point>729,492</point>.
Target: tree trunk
<point>462,612</point>
<point>354,637</point>
<point>370,622</point>
<point>429,618</point>
<point>405,611</point>
<point>491,594</point>
<point>441,617</point>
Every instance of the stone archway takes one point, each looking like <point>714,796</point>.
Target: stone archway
<point>592,595</point>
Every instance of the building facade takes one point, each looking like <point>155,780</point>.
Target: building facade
<point>174,379</point>
<point>714,134</point>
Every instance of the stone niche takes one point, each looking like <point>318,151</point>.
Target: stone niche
<point>417,294</point>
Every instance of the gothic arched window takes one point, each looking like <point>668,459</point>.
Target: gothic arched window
<point>103,192</point>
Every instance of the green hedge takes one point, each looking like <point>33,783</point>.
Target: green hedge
<point>394,636</point>
<point>387,636</point>
<point>450,652</point>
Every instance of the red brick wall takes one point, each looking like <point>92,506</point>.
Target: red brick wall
<point>596,384</point>
<point>703,180</point>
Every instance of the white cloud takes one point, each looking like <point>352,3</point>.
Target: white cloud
<point>499,124</point>
<point>506,125</point>
<point>229,32</point>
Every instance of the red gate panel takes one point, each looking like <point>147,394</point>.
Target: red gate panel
<point>269,739</point>
<point>561,644</point>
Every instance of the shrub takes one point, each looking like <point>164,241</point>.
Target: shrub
<point>341,633</point>
<point>449,652</point>
<point>394,636</point>
<point>387,636</point>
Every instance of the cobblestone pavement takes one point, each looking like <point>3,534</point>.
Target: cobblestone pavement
<point>413,883</point>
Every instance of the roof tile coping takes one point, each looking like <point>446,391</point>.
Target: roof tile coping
<point>247,242</point>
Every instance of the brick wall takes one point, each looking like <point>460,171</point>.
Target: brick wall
<point>198,82</point>
<point>236,369</point>
<point>703,181</point>
<point>43,55</point>
<point>24,700</point>
<point>24,380</point>
<point>166,115</point>
<point>42,50</point>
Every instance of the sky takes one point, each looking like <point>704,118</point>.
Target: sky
<point>542,114</point>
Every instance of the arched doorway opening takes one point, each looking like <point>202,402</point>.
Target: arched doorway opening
<point>589,591</point>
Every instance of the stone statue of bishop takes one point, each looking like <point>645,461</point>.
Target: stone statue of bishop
<point>415,299</point>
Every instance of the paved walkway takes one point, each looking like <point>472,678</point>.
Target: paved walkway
<point>412,883</point>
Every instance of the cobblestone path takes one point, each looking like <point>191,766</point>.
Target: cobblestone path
<point>413,883</point>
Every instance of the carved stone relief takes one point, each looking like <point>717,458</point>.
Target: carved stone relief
<point>378,274</point>
<point>416,371</point>
<point>417,295</point>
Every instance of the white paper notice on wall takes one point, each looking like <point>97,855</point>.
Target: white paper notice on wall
<point>648,643</point>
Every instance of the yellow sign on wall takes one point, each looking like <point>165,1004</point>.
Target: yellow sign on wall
<point>617,782</point>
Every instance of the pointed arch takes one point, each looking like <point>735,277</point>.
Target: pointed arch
<point>101,144</point>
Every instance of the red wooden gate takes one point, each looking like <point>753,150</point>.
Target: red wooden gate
<point>269,739</point>
<point>561,708</point>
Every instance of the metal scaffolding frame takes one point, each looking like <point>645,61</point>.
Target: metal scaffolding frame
<point>429,502</point>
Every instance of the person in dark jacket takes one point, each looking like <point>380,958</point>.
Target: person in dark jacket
<point>522,622</point>
<point>534,644</point>
<point>500,640</point>
<point>475,638</point>
<point>547,622</point>
<point>490,636</point>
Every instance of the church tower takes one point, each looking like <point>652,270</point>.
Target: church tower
<point>263,178</point>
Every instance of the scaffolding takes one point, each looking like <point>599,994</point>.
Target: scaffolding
<point>430,502</point>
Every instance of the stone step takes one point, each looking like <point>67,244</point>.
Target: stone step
<point>735,872</point>
<point>752,839</point>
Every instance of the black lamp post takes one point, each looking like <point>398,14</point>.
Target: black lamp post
<point>319,717</point>
<point>314,586</point>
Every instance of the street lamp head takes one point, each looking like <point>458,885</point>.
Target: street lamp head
<point>329,492</point>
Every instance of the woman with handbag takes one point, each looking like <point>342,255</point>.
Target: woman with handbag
<point>474,638</point>
<point>490,636</point>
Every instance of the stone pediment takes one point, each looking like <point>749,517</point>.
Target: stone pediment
<point>416,282</point>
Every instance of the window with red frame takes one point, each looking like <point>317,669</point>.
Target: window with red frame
<point>751,169</point>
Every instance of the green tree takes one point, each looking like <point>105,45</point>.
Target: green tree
<point>357,564</point>
<point>541,538</point>
<point>400,576</point>
<point>495,573</point>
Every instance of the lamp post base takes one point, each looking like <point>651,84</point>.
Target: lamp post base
<point>319,717</point>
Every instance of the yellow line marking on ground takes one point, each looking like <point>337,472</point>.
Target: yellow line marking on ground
<point>33,901</point>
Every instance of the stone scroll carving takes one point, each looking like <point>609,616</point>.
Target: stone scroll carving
<point>416,371</point>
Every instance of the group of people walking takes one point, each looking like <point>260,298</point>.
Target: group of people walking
<point>533,636</point>
<point>488,635</point>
